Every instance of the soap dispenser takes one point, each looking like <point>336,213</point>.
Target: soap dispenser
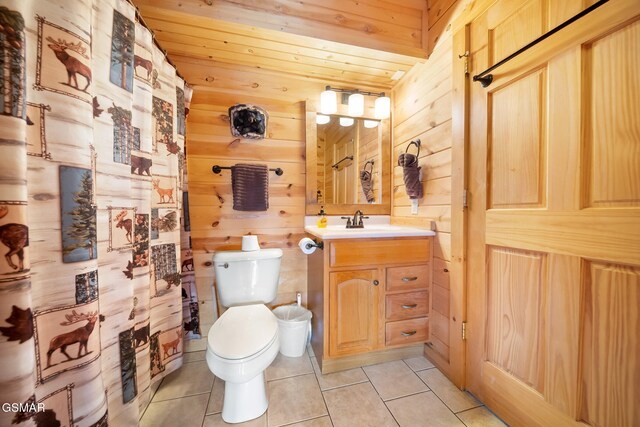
<point>322,218</point>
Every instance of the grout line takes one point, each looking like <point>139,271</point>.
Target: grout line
<point>407,395</point>
<point>443,402</point>
<point>182,397</point>
<point>321,392</point>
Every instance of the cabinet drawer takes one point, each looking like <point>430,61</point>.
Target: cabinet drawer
<point>406,331</point>
<point>406,305</point>
<point>353,252</point>
<point>408,278</point>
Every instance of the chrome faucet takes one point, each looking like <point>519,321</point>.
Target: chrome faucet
<point>355,222</point>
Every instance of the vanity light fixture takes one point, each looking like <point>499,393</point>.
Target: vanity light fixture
<point>383,107</point>
<point>346,121</point>
<point>369,124</point>
<point>329,102</point>
<point>356,104</point>
<point>321,119</point>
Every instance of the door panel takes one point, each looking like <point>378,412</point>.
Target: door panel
<point>610,374</point>
<point>554,220</point>
<point>517,169</point>
<point>353,317</point>
<point>515,290</point>
<point>613,139</point>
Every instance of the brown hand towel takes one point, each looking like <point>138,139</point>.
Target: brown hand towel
<point>411,174</point>
<point>366,181</point>
<point>250,186</point>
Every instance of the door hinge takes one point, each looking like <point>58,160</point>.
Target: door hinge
<point>466,61</point>
<point>464,331</point>
<point>465,200</point>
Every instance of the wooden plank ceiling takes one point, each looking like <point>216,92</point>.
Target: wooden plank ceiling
<point>355,43</point>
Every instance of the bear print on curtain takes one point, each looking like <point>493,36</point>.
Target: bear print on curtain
<point>91,145</point>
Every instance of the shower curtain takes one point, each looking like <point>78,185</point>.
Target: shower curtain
<point>91,157</point>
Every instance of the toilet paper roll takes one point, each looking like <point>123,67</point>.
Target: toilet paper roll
<point>307,245</point>
<point>250,243</point>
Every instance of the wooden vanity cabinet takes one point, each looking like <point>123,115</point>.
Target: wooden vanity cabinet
<point>370,300</point>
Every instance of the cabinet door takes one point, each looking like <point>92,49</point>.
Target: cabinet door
<point>353,311</point>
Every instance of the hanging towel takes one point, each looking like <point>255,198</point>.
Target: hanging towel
<point>411,174</point>
<point>250,186</point>
<point>366,181</point>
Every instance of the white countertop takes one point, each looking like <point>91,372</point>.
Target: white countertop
<point>369,230</point>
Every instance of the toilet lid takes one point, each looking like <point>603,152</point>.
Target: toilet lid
<point>242,331</point>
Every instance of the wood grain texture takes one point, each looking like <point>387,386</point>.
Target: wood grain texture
<point>517,169</point>
<point>584,296</point>
<point>612,144</point>
<point>516,285</point>
<point>408,278</point>
<point>423,110</point>
<point>610,371</point>
<point>352,252</point>
<point>355,43</point>
<point>406,305</point>
<point>353,313</point>
<point>404,332</point>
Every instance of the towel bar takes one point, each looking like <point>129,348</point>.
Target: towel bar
<point>218,169</point>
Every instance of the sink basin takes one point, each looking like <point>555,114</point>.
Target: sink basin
<point>374,230</point>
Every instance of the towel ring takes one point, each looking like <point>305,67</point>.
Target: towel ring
<point>364,168</point>
<point>417,143</point>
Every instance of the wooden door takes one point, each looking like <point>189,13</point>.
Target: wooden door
<point>554,220</point>
<point>353,312</point>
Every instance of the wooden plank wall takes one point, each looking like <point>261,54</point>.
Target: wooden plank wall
<point>214,223</point>
<point>422,109</point>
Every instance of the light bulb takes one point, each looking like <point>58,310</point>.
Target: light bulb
<point>322,119</point>
<point>383,107</point>
<point>371,123</point>
<point>356,104</point>
<point>328,102</point>
<point>346,121</point>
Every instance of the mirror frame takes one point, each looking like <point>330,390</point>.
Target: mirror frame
<point>312,206</point>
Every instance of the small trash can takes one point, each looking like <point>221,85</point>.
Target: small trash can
<point>294,327</point>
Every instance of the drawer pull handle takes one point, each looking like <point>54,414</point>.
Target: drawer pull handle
<point>409,305</point>
<point>409,279</point>
<point>376,283</point>
<point>409,333</point>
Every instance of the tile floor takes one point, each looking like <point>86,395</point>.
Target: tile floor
<point>404,393</point>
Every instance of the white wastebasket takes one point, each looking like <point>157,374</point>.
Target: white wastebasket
<point>294,327</point>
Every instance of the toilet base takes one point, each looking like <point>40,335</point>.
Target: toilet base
<point>244,401</point>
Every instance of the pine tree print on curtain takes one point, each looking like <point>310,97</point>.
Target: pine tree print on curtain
<point>122,42</point>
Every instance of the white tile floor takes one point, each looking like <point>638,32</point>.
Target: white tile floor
<point>404,393</point>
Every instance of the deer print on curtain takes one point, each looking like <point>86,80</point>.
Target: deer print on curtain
<point>91,160</point>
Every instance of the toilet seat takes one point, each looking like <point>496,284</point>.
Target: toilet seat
<point>242,332</point>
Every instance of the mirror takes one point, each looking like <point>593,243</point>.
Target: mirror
<point>347,166</point>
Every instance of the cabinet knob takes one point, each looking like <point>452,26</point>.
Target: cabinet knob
<point>408,333</point>
<point>376,283</point>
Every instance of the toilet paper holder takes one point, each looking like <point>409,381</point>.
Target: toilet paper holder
<point>315,244</point>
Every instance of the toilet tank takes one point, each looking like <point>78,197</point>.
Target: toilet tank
<point>247,277</point>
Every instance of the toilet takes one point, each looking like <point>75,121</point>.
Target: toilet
<point>243,342</point>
